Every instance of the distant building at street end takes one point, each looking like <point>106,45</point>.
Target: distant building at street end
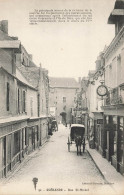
<point>62,94</point>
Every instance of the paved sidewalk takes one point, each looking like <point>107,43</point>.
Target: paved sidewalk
<point>108,172</point>
<point>20,165</point>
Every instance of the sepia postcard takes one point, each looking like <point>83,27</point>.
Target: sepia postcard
<point>62,97</point>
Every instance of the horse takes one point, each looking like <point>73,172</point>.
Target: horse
<point>78,141</point>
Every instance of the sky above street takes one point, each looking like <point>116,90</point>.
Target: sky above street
<point>65,49</point>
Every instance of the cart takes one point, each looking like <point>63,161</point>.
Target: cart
<point>77,136</point>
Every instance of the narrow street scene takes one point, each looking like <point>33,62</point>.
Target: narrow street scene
<point>62,97</point>
<point>57,170</point>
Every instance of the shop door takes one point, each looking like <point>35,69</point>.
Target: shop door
<point>33,138</point>
<point>110,144</point>
<point>4,155</point>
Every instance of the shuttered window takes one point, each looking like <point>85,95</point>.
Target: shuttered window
<point>7,96</point>
<point>24,101</point>
<point>18,101</point>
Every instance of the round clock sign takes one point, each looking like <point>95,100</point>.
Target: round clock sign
<point>102,90</point>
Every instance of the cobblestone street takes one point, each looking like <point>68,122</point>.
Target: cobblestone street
<point>56,168</point>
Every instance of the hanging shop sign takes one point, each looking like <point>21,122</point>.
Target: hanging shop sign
<point>102,90</point>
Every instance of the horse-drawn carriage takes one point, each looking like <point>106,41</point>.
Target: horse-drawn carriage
<point>77,136</point>
<point>54,125</point>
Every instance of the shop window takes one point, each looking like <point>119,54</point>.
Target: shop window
<point>100,136</point>
<point>121,93</point>
<point>37,134</point>
<point>2,151</point>
<point>30,136</point>
<point>9,149</point>
<point>16,142</point>
<point>33,135</point>
<point>115,133</point>
<point>22,138</point>
<point>115,142</point>
<point>106,129</point>
<point>24,101</point>
<point>7,96</point>
<point>121,140</point>
<point>26,143</point>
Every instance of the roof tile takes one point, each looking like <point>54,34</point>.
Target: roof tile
<point>63,82</point>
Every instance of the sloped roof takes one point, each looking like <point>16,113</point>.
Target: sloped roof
<point>21,78</point>
<point>63,82</point>
<point>31,74</point>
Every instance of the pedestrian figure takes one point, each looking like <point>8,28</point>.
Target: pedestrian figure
<point>35,180</point>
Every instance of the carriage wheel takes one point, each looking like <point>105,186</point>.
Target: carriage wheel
<point>68,144</point>
<point>83,148</point>
<point>77,149</point>
<point>84,145</point>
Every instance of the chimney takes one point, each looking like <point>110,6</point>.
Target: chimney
<point>4,26</point>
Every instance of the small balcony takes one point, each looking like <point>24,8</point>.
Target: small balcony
<point>115,96</point>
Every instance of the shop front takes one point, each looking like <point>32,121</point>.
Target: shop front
<point>43,129</point>
<point>114,141</point>
<point>11,146</point>
<point>33,134</point>
<point>120,151</point>
<point>90,127</point>
<point>95,131</point>
<point>98,131</point>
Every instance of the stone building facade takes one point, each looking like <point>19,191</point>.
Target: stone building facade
<point>103,116</point>
<point>114,80</point>
<point>24,105</point>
